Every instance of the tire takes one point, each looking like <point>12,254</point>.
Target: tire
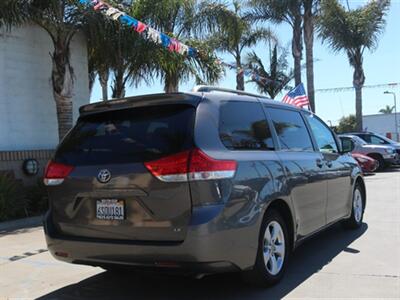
<point>357,209</point>
<point>380,160</point>
<point>270,270</point>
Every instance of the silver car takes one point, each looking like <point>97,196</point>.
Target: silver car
<point>378,139</point>
<point>384,154</point>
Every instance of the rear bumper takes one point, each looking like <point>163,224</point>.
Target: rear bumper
<point>205,250</point>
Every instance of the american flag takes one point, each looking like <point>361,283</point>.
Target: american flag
<point>297,97</point>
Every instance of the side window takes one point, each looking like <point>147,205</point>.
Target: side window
<point>323,135</point>
<point>365,137</point>
<point>242,126</point>
<point>291,130</point>
<point>377,140</point>
<point>347,144</point>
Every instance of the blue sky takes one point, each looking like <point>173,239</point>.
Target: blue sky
<point>331,70</point>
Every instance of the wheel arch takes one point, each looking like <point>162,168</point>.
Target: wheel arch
<point>375,154</point>
<point>285,211</point>
<point>360,181</point>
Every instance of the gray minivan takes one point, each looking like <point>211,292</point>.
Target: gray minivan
<point>203,182</point>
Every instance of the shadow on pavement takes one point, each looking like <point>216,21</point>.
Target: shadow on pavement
<point>391,169</point>
<point>308,259</point>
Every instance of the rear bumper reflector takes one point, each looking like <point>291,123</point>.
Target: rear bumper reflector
<point>52,182</point>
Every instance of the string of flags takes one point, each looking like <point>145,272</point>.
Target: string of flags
<point>296,97</point>
<point>146,31</point>
<point>162,39</point>
<point>350,88</point>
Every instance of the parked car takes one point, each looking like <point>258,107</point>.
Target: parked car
<point>203,182</point>
<point>384,154</point>
<point>378,139</point>
<point>367,164</point>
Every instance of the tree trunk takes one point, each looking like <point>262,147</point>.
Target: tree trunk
<point>171,84</point>
<point>309,43</point>
<point>297,48</point>
<point>359,122</point>
<point>358,83</point>
<point>103,78</point>
<point>64,114</point>
<point>118,88</point>
<point>92,79</point>
<point>62,83</point>
<point>239,74</point>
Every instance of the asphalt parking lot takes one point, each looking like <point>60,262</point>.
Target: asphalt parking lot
<point>336,264</point>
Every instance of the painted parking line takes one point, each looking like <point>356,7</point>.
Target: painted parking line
<point>23,255</point>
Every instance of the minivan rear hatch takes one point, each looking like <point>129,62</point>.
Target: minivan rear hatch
<point>108,192</point>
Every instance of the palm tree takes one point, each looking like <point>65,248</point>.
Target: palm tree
<point>98,34</point>
<point>118,51</point>
<point>273,80</point>
<point>278,11</point>
<point>387,109</point>
<point>179,19</point>
<point>353,31</point>
<point>234,34</point>
<point>61,20</point>
<point>309,16</point>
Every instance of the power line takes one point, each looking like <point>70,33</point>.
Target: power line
<point>346,89</point>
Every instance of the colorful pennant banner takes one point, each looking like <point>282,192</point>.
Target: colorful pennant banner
<point>147,32</point>
<point>162,39</point>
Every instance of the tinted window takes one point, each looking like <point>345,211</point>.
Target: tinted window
<point>322,134</point>
<point>377,140</point>
<point>291,130</point>
<point>242,126</point>
<point>373,139</point>
<point>347,144</point>
<point>127,136</point>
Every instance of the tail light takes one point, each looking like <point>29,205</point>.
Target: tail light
<point>171,168</point>
<point>55,173</point>
<point>191,166</point>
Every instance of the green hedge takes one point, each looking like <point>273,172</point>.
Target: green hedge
<point>18,202</point>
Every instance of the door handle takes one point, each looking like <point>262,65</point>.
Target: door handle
<point>329,164</point>
<point>319,163</point>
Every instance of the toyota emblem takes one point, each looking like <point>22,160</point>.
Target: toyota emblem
<point>104,176</point>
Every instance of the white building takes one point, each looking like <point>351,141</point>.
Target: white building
<point>28,121</point>
<point>383,124</point>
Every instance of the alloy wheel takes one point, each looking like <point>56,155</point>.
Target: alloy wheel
<point>274,248</point>
<point>357,205</point>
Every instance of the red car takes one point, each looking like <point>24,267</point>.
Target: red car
<point>367,164</point>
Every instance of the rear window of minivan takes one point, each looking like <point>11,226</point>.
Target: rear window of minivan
<point>128,136</point>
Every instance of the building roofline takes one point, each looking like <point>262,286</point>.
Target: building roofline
<point>380,114</point>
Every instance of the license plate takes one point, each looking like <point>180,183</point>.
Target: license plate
<point>110,209</point>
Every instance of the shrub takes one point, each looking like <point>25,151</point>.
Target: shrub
<point>346,124</point>
<point>12,200</point>
<point>37,198</point>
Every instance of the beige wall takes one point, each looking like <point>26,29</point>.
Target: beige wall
<point>28,121</point>
<point>27,109</point>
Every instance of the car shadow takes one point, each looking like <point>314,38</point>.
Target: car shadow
<point>308,259</point>
<point>391,169</point>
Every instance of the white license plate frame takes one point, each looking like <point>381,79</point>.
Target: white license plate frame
<point>110,209</point>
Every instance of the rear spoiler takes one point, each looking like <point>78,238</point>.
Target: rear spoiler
<point>144,100</point>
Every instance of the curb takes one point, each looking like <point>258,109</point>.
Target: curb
<point>21,223</point>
